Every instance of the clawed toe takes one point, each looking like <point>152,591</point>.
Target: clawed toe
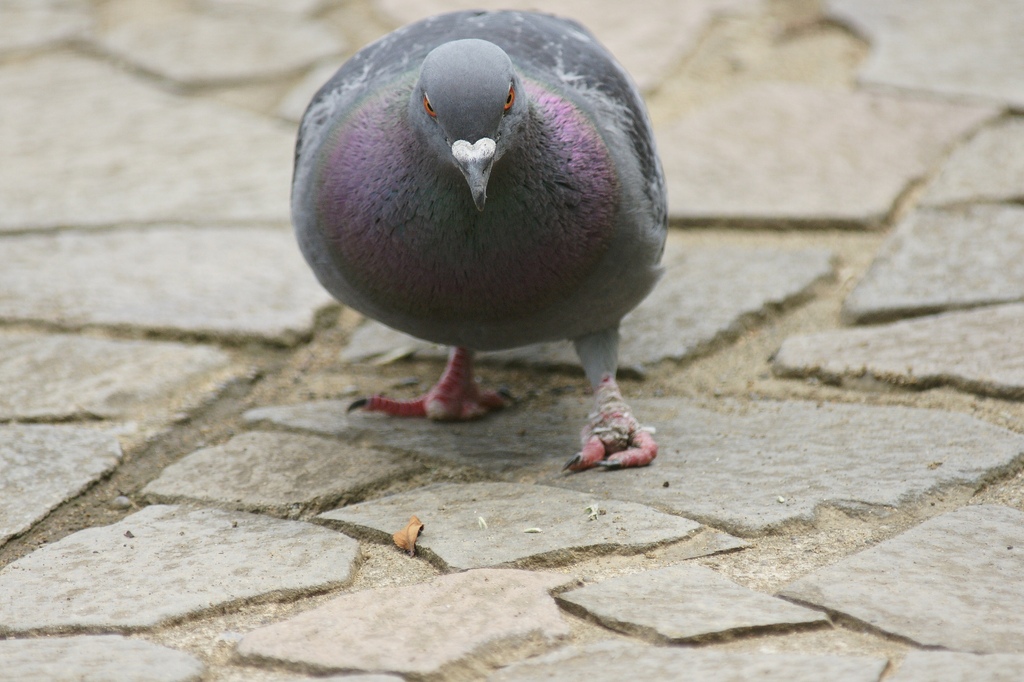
<point>455,397</point>
<point>642,452</point>
<point>434,406</point>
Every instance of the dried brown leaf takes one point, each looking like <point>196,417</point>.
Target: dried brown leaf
<point>406,538</point>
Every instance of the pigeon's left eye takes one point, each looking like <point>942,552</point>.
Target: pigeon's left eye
<point>511,97</point>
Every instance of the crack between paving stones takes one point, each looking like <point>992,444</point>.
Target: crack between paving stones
<point>96,51</point>
<point>299,511</point>
<point>474,664</point>
<point>908,312</point>
<point>223,609</point>
<point>378,537</point>
<point>907,200</point>
<point>851,30</point>
<point>85,417</point>
<point>39,230</point>
<point>1000,474</point>
<point>289,339</point>
<point>899,382</point>
<point>913,507</point>
<point>962,206</point>
<point>556,558</point>
<point>845,621</point>
<point>260,663</point>
<point>651,634</point>
<point>972,386</point>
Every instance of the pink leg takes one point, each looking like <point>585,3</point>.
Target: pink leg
<point>454,397</point>
<point>613,438</point>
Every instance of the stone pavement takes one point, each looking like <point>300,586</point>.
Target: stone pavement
<point>833,363</point>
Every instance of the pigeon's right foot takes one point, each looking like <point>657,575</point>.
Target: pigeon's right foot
<point>455,397</point>
<point>613,438</point>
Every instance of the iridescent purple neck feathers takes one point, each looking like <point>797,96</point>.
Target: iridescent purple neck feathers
<point>404,228</point>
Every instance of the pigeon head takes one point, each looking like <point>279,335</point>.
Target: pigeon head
<point>468,105</point>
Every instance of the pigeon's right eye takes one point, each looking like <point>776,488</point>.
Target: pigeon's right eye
<point>426,105</point>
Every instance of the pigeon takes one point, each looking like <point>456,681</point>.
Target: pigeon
<point>488,180</point>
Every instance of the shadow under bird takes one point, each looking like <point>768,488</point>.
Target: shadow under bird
<point>488,180</point>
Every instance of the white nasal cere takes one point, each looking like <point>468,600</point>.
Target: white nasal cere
<point>466,153</point>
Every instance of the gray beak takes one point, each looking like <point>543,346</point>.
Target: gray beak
<point>475,162</point>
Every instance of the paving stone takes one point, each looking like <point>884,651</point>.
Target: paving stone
<point>756,467</point>
<point>727,469</point>
<point>698,304</point>
<point>85,144</point>
<point>229,282</point>
<point>989,167</point>
<point>454,623</point>
<point>28,24</point>
<point>794,154</point>
<point>165,563</point>
<point>59,376</point>
<point>649,50</point>
<point>977,351</point>
<point>42,465</point>
<point>951,582</point>
<point>111,658</point>
<point>327,417</point>
<point>610,661</point>
<point>279,473</point>
<point>964,50</point>
<point>683,602</point>
<point>927,666</point>
<point>455,534</point>
<point>942,260</point>
<point>203,49</point>
<point>514,441</point>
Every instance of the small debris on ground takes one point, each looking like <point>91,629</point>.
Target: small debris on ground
<point>406,538</point>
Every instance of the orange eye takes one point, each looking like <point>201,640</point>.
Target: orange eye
<point>511,97</point>
<point>430,109</point>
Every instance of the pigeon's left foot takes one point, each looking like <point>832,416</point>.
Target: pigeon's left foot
<point>613,438</point>
<point>455,397</point>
